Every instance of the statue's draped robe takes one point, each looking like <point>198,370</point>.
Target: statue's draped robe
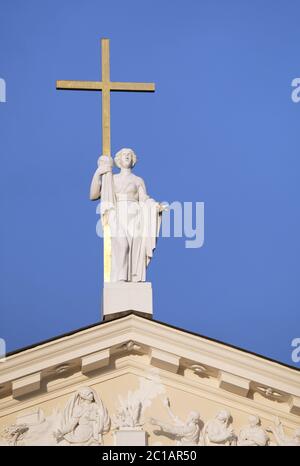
<point>84,425</point>
<point>134,228</point>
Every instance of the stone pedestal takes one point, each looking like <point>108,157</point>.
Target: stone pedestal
<point>132,438</point>
<point>122,297</point>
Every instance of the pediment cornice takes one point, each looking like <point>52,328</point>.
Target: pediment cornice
<point>167,348</point>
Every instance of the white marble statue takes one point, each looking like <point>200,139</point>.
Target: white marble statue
<point>253,434</point>
<point>186,432</point>
<point>132,216</point>
<point>281,438</point>
<point>218,431</point>
<point>84,419</point>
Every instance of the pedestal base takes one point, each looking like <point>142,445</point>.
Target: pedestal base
<point>132,438</point>
<point>124,297</point>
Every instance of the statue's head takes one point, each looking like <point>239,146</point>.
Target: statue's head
<point>223,416</point>
<point>86,393</point>
<point>193,417</point>
<point>125,158</point>
<point>254,420</point>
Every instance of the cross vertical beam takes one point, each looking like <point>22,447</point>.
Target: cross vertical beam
<point>106,144</point>
<point>106,86</point>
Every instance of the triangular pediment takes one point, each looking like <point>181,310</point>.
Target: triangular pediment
<point>131,354</point>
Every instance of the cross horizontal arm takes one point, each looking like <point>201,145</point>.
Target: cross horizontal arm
<point>144,87</point>
<point>98,86</point>
<point>80,85</point>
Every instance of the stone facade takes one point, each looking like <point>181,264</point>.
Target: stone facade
<point>133,381</point>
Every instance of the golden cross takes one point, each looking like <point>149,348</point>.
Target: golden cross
<point>105,86</point>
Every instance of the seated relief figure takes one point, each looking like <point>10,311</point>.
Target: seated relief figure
<point>186,432</point>
<point>84,420</point>
<point>218,431</point>
<point>253,434</point>
<point>132,216</point>
<point>281,438</point>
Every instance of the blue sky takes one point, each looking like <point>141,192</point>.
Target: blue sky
<point>221,128</point>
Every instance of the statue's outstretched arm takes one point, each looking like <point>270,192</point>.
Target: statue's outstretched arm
<point>167,428</point>
<point>175,419</point>
<point>175,430</point>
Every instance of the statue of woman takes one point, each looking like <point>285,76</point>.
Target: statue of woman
<point>218,431</point>
<point>133,217</point>
<point>84,419</point>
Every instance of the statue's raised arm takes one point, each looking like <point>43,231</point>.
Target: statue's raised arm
<point>105,164</point>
